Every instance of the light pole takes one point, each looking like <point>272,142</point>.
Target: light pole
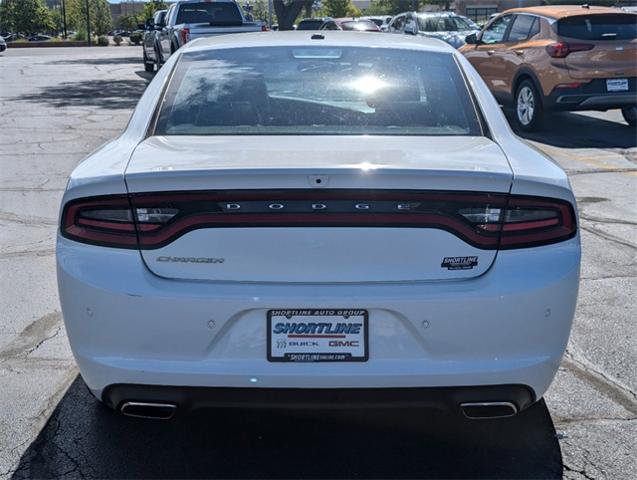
<point>64,18</point>
<point>88,24</point>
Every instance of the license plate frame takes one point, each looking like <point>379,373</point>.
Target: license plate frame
<point>617,85</point>
<point>322,352</point>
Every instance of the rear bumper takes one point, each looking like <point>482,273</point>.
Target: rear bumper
<point>191,398</point>
<point>592,96</point>
<point>509,326</point>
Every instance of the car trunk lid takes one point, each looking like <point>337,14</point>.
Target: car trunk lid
<point>333,209</point>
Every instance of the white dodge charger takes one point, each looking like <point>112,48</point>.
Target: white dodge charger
<point>318,219</point>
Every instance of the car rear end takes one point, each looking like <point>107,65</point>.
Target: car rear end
<point>598,50</point>
<point>207,19</point>
<point>333,226</point>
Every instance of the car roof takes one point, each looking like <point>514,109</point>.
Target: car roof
<point>437,14</point>
<point>561,11</point>
<point>330,38</point>
<point>203,1</point>
<point>352,19</point>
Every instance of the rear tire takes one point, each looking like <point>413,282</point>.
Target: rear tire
<point>630,115</point>
<point>527,107</point>
<point>148,66</point>
<point>158,61</point>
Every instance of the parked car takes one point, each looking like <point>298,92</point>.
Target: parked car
<point>446,26</point>
<point>310,23</point>
<point>381,20</point>
<point>3,44</point>
<point>187,20</point>
<point>12,37</point>
<point>150,42</point>
<point>294,218</point>
<point>543,59</point>
<point>39,38</point>
<point>352,24</point>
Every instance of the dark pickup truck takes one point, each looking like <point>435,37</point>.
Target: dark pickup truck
<point>186,20</point>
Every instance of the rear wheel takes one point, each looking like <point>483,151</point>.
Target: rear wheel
<point>630,115</point>
<point>158,61</point>
<point>148,65</point>
<point>529,112</point>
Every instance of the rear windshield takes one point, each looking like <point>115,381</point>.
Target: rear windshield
<point>317,91</point>
<point>599,27</point>
<point>213,13</point>
<point>359,25</point>
<point>309,24</point>
<point>443,24</point>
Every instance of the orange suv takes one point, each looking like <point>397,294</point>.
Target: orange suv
<point>549,58</point>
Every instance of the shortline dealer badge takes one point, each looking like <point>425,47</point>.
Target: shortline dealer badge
<point>459,263</point>
<point>318,335</point>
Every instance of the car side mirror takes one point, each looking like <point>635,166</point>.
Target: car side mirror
<point>471,39</point>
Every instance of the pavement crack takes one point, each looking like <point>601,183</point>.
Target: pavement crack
<point>581,472</point>
<point>33,336</point>
<point>608,236</point>
<point>601,382</point>
<point>592,218</point>
<point>27,220</point>
<point>38,345</point>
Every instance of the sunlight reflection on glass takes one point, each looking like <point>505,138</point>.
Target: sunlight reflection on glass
<point>368,84</point>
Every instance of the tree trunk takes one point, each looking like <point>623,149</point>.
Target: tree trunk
<point>286,12</point>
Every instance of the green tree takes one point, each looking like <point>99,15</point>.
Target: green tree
<point>336,8</point>
<point>129,22</point>
<point>260,10</point>
<point>57,21</point>
<point>100,15</point>
<point>151,7</point>
<point>286,12</point>
<point>377,7</point>
<point>395,7</point>
<point>25,16</point>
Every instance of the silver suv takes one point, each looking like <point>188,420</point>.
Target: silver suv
<point>447,26</point>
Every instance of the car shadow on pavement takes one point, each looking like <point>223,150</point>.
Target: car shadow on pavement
<point>100,60</point>
<point>84,439</point>
<point>573,130</point>
<point>107,94</point>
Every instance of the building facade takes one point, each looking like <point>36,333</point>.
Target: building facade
<point>480,10</point>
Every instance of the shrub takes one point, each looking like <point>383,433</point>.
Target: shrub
<point>136,38</point>
<point>102,41</point>
<point>118,40</point>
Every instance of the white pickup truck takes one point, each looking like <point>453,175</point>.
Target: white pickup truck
<point>190,19</point>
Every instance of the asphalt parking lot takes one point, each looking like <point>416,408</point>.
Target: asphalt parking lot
<point>57,105</point>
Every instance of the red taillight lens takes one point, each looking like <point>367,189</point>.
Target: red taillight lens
<point>185,35</point>
<point>106,221</point>
<point>535,221</point>
<point>110,222</point>
<point>563,49</point>
<point>485,220</point>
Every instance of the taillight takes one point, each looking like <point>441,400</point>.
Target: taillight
<point>110,221</point>
<point>264,28</point>
<point>185,35</point>
<point>485,220</point>
<point>563,49</point>
<point>534,221</point>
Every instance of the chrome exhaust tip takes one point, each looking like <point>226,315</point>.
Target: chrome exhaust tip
<point>488,410</point>
<point>155,411</point>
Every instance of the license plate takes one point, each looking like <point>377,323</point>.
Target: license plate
<point>318,335</point>
<point>617,85</point>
